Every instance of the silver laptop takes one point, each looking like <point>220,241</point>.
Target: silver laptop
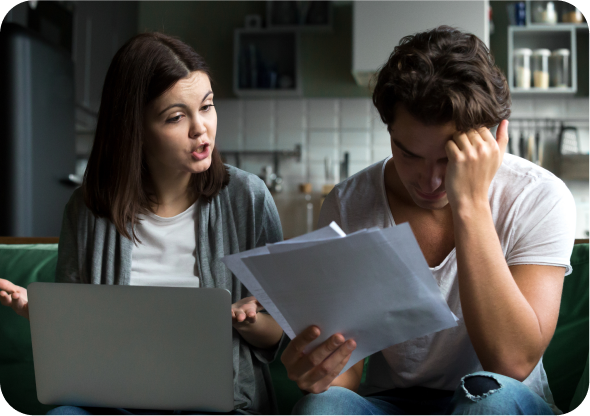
<point>161,348</point>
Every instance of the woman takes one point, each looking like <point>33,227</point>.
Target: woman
<point>159,208</point>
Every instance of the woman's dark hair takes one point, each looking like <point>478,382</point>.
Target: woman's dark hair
<point>443,75</point>
<point>117,183</point>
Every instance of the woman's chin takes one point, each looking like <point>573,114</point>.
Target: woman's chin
<point>200,166</point>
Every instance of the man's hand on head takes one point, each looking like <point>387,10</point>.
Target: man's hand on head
<point>474,158</point>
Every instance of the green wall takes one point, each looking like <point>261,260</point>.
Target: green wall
<point>208,26</point>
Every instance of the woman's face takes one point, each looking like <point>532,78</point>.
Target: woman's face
<point>180,127</point>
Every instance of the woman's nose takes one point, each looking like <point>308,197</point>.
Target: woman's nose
<point>197,127</point>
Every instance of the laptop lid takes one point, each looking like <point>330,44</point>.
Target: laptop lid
<point>161,348</point>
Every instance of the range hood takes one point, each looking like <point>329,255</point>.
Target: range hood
<point>378,26</point>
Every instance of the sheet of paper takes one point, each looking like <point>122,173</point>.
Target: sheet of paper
<point>235,264</point>
<point>357,286</point>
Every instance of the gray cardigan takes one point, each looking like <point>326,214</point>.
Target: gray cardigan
<point>241,217</point>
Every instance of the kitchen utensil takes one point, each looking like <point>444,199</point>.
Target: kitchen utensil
<point>568,141</point>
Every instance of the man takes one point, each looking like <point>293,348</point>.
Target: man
<point>497,232</point>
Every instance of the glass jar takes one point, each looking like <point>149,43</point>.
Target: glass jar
<point>522,68</point>
<point>560,74</point>
<point>570,14</point>
<point>541,68</point>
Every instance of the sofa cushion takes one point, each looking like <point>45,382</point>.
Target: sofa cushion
<point>22,264</point>
<point>566,356</point>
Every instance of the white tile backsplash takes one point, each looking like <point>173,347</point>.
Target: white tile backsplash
<point>381,138</point>
<point>577,108</point>
<point>380,153</point>
<point>259,124</point>
<point>322,113</point>
<point>229,125</point>
<point>323,138</point>
<point>291,115</point>
<point>317,153</point>
<point>550,107</point>
<point>330,127</point>
<point>355,113</point>
<point>288,139</point>
<point>522,108</point>
<point>355,138</point>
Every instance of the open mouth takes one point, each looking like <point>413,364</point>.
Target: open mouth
<point>202,152</point>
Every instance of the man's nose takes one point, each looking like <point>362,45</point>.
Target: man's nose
<point>432,178</point>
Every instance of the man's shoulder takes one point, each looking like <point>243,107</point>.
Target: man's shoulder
<point>518,176</point>
<point>365,183</point>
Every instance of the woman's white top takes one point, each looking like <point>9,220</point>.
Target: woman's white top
<point>167,253</point>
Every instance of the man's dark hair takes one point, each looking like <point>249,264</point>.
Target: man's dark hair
<point>443,75</point>
<point>117,184</point>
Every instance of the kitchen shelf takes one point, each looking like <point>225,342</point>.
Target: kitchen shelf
<point>529,18</point>
<point>550,37</point>
<point>266,63</point>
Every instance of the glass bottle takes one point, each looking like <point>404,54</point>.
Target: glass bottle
<point>522,68</point>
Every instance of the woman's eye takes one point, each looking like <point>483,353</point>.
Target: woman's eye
<point>174,119</point>
<point>207,107</point>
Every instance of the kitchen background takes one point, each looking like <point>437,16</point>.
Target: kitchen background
<point>291,81</point>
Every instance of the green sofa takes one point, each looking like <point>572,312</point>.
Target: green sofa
<point>566,359</point>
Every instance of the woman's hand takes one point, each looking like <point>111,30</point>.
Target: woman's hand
<point>474,159</point>
<point>15,297</point>
<point>245,311</point>
<point>315,371</point>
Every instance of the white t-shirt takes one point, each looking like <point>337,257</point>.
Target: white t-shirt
<point>167,253</point>
<point>534,214</point>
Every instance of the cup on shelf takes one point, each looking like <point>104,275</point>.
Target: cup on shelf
<point>522,68</point>
<point>541,68</point>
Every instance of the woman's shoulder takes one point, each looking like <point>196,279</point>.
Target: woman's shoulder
<point>242,184</point>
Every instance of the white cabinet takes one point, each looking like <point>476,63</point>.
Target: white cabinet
<point>378,26</point>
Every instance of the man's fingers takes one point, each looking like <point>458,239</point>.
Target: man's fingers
<point>316,358</point>
<point>324,384</point>
<point>502,136</point>
<point>322,375</point>
<point>295,348</point>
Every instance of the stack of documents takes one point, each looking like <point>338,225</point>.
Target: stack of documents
<point>373,286</point>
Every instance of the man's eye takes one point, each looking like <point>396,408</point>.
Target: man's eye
<point>407,155</point>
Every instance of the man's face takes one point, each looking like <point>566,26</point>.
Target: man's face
<point>420,159</point>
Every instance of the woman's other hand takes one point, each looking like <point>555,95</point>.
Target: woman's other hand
<point>245,311</point>
<point>15,297</point>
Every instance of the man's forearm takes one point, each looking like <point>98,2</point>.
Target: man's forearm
<point>501,324</point>
<point>264,333</point>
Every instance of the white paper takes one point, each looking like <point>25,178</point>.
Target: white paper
<point>356,285</point>
<point>235,264</point>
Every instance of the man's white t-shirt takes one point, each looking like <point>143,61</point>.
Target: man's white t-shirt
<point>534,214</point>
<point>167,253</point>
